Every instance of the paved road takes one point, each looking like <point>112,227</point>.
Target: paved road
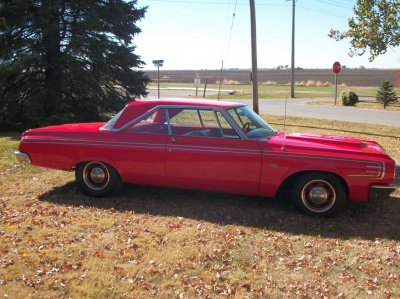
<point>298,107</point>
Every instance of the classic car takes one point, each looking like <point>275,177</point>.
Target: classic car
<point>214,146</point>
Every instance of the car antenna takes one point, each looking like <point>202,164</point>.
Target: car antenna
<point>284,129</point>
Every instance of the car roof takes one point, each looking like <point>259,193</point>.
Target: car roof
<point>138,107</point>
<point>186,102</point>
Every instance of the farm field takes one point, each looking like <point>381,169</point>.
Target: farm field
<point>276,83</point>
<point>168,243</point>
<point>348,77</point>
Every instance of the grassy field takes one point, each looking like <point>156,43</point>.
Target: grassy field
<point>275,91</point>
<point>167,243</point>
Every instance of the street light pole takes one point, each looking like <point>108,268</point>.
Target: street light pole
<point>158,63</point>
<point>254,56</point>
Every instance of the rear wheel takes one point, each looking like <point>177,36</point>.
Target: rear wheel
<point>320,194</point>
<point>97,179</point>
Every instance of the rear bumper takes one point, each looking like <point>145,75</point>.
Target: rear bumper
<point>23,157</point>
<point>381,192</point>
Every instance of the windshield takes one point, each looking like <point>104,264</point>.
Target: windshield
<point>250,123</point>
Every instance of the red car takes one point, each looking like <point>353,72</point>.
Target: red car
<point>214,146</point>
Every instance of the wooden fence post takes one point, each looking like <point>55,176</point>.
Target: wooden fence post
<point>205,88</point>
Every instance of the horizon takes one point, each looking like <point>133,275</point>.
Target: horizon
<point>270,69</point>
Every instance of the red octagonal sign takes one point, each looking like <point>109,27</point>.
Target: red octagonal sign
<point>336,67</point>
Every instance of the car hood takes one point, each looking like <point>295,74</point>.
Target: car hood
<point>298,142</point>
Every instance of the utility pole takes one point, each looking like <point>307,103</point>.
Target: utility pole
<point>254,56</point>
<point>293,23</point>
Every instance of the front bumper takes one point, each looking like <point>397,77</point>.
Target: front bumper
<point>23,157</point>
<point>381,192</point>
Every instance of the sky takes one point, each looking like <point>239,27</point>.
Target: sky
<point>201,34</point>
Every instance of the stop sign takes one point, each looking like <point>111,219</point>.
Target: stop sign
<point>336,67</point>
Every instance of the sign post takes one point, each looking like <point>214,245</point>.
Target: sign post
<point>158,63</point>
<point>336,69</point>
<point>197,82</point>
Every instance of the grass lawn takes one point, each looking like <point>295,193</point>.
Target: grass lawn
<point>168,243</point>
<point>275,91</point>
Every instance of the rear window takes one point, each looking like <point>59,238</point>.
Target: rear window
<point>110,124</point>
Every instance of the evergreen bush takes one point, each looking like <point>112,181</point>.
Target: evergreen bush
<point>385,93</point>
<point>349,98</point>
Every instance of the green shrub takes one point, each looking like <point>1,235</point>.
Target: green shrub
<point>349,98</point>
<point>385,93</point>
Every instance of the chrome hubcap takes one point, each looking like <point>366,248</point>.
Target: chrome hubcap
<point>318,196</point>
<point>96,175</point>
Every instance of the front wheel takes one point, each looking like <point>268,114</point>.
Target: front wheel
<point>97,179</point>
<point>319,194</point>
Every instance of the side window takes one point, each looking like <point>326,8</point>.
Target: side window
<point>154,123</point>
<point>208,119</point>
<point>184,117</point>
<point>200,123</point>
<point>227,129</point>
<point>185,122</point>
<point>236,116</point>
<point>242,119</point>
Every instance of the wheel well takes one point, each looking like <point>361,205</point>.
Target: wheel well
<point>74,167</point>
<point>287,184</point>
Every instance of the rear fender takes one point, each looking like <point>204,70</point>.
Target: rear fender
<point>94,158</point>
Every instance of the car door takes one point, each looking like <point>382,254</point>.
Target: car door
<point>204,152</point>
<point>142,150</point>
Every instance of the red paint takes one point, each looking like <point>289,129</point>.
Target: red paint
<point>253,167</point>
<point>336,67</point>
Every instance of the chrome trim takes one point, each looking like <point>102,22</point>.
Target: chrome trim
<point>379,171</point>
<point>234,125</point>
<point>390,187</point>
<point>273,153</point>
<point>136,120</point>
<point>381,192</point>
<point>120,113</point>
<point>166,107</point>
<point>381,174</point>
<point>219,123</point>
<point>213,150</point>
<point>122,144</point>
<point>160,146</point>
<point>22,157</point>
<point>168,122</point>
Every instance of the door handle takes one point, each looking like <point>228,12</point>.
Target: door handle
<point>173,139</point>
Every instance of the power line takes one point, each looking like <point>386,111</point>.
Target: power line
<point>227,48</point>
<point>212,3</point>
<point>335,3</point>
<point>197,2</point>
<point>233,20</point>
<point>322,12</point>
